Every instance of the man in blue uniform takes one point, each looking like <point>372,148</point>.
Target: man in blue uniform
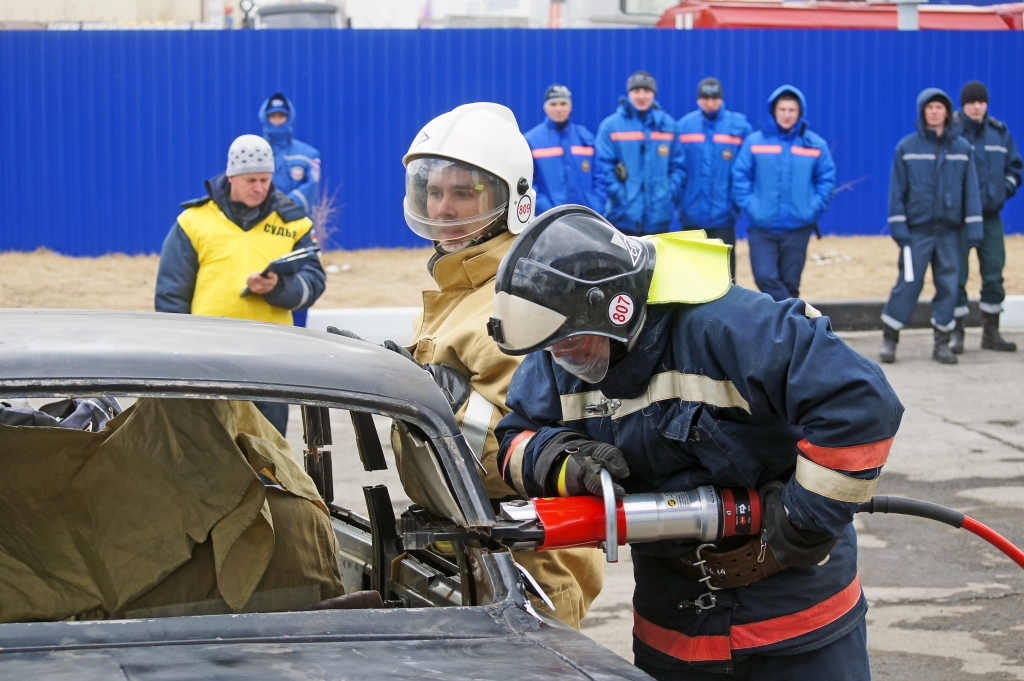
<point>650,364</point>
<point>710,138</point>
<point>296,164</point>
<point>640,161</point>
<point>999,174</point>
<point>783,179</point>
<point>933,197</point>
<point>563,157</point>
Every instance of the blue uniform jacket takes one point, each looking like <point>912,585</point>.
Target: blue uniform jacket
<point>179,262</point>
<point>296,164</point>
<point>710,145</point>
<point>564,166</point>
<point>647,146</point>
<point>933,181</point>
<point>784,180</point>
<point>738,392</point>
<point>996,160</point>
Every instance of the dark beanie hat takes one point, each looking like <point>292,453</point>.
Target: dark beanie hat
<point>709,88</point>
<point>557,93</point>
<point>642,79</point>
<point>973,91</point>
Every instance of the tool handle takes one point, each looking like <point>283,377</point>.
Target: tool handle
<point>611,525</point>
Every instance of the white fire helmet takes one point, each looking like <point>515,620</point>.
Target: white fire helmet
<point>464,171</point>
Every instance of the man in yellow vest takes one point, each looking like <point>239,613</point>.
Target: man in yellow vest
<point>469,176</point>
<point>223,242</point>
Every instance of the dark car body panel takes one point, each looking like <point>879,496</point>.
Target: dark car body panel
<point>47,353</point>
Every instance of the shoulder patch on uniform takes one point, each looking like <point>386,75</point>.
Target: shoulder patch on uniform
<point>193,203</point>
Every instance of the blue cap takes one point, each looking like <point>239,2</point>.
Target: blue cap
<point>278,104</point>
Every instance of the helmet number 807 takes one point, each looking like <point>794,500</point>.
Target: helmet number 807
<point>620,311</point>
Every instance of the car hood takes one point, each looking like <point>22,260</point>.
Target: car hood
<point>451,643</point>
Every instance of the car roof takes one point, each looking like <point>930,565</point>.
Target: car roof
<point>45,352</point>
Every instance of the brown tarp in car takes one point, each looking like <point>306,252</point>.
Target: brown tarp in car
<point>164,506</point>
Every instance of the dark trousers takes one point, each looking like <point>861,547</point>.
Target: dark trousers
<point>845,659</point>
<point>991,259</point>
<point>777,259</point>
<point>299,316</point>
<point>727,235</point>
<point>938,245</point>
<point>276,413</point>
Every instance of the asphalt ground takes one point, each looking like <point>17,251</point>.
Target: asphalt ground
<point>944,604</point>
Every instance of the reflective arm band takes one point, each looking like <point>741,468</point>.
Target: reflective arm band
<point>561,478</point>
<point>831,484</point>
<point>856,458</point>
<point>513,470</point>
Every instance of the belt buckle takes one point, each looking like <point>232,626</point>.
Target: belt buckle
<point>700,563</point>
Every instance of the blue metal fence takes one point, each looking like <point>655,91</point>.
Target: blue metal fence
<point>102,134</point>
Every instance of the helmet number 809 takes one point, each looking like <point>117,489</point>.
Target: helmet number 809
<point>620,310</point>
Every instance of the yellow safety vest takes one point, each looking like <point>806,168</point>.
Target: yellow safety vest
<point>228,255</point>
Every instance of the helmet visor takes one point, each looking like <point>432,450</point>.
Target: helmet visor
<point>584,356</point>
<point>451,202</point>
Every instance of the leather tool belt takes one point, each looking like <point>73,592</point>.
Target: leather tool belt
<point>751,562</point>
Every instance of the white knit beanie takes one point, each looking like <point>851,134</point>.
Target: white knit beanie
<point>250,154</point>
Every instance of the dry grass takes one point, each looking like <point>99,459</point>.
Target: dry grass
<point>853,267</point>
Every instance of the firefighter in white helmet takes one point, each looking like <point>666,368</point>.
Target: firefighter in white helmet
<point>469,177</point>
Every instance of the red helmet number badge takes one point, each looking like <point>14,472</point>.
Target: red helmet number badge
<point>620,311</point>
<point>525,209</point>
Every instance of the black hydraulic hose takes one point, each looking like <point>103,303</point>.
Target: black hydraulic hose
<point>926,509</point>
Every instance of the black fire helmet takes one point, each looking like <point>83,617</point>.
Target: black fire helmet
<point>570,273</point>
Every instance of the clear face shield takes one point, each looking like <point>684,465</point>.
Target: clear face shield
<point>584,356</point>
<point>452,203</point>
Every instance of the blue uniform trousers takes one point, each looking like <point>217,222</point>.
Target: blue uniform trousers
<point>276,413</point>
<point>991,259</point>
<point>777,259</point>
<point>727,235</point>
<point>299,316</point>
<point>845,659</point>
<point>938,245</point>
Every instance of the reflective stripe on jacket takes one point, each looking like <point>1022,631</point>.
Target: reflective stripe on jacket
<point>704,398</point>
<point>996,160</point>
<point>564,166</point>
<point>784,179</point>
<point>709,147</point>
<point>296,164</point>
<point>647,147</point>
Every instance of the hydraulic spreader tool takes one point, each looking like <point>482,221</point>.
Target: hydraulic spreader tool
<point>706,514</point>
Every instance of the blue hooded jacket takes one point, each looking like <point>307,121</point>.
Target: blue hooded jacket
<point>996,160</point>
<point>784,179</point>
<point>710,144</point>
<point>564,166</point>
<point>933,179</point>
<point>730,392</point>
<point>647,147</point>
<point>296,164</point>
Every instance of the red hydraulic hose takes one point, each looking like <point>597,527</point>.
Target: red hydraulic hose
<point>926,509</point>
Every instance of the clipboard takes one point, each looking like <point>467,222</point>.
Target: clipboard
<point>289,263</point>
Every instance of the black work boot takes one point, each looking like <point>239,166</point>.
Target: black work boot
<point>890,337</point>
<point>956,340</point>
<point>991,339</point>
<point>941,352</point>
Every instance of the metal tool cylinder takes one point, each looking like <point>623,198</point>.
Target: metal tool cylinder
<point>694,514</point>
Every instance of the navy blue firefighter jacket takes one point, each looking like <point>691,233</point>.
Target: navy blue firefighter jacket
<point>784,179</point>
<point>933,180</point>
<point>996,160</point>
<point>739,391</point>
<point>564,166</point>
<point>179,261</point>
<point>710,143</point>
<point>645,143</point>
<point>296,164</point>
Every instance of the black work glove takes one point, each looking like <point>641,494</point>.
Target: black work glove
<point>578,464</point>
<point>791,545</point>
<point>620,171</point>
<point>454,385</point>
<point>900,233</point>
